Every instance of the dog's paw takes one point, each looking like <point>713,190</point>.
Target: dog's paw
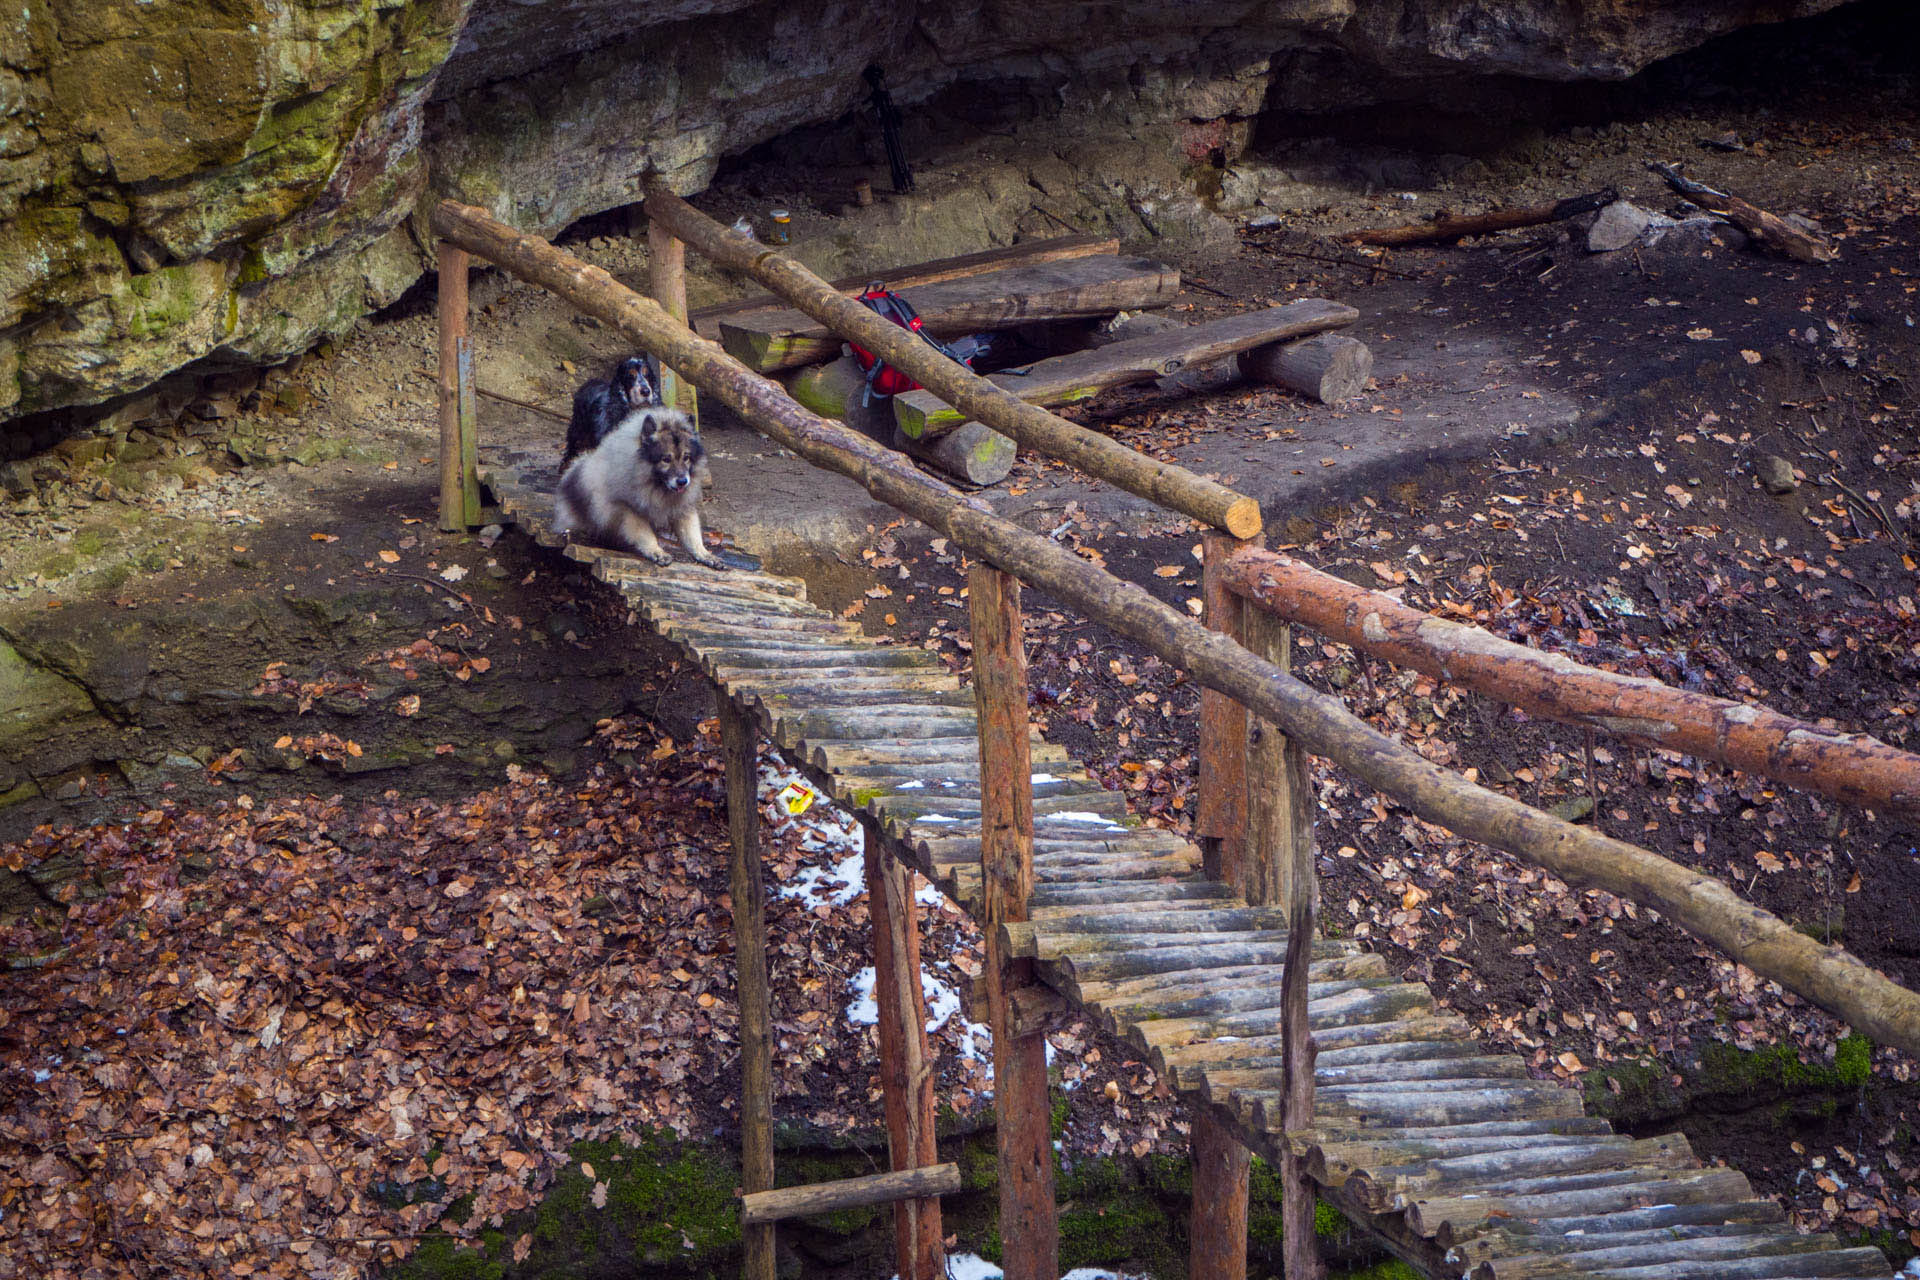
<point>712,562</point>
<point>658,556</point>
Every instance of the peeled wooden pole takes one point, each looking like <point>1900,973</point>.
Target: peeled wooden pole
<point>739,745</point>
<point>760,1209</point>
<point>1828,976</point>
<point>667,281</point>
<point>459,444</point>
<point>1846,766</point>
<point>1170,486</point>
<point>1029,1228</point>
<point>906,1067</point>
<point>1220,820</point>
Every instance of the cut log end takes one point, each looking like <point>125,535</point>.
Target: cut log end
<point>1243,519</point>
<point>1330,367</point>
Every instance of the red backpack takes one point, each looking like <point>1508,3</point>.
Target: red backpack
<point>883,379</point>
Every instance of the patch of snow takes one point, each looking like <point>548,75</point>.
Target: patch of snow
<point>1039,778</point>
<point>836,885</point>
<point>970,1266</point>
<point>934,817</point>
<point>1080,815</point>
<point>915,785</point>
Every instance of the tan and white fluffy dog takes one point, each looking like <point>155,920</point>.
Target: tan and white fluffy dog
<point>647,474</point>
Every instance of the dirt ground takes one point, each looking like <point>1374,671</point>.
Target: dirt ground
<point>1559,445</point>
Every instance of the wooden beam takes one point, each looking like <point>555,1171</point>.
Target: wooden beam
<point>761,1209</point>
<point>667,281</point>
<point>769,341</point>
<point>1220,817</point>
<point>1280,872</point>
<point>739,744</point>
<point>1330,367</point>
<point>1222,1169</point>
<point>1029,1229</point>
<point>459,446</point>
<point>1830,977</point>
<point>1081,375</point>
<point>906,1063</point>
<point>706,321</point>
<point>1846,766</point>
<point>1034,428</point>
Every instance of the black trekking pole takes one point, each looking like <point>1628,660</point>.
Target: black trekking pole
<point>882,103</point>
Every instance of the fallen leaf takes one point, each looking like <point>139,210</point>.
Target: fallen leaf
<point>453,572</point>
<point>409,705</point>
<point>390,557</point>
<point>1699,335</point>
<point>1751,357</point>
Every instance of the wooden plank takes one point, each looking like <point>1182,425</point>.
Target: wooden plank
<point>773,340</point>
<point>1028,1226</point>
<point>763,1208</point>
<point>906,1072</point>
<point>706,321</point>
<point>1081,375</point>
<point>739,747</point>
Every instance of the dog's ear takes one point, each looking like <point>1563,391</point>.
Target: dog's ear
<point>649,425</point>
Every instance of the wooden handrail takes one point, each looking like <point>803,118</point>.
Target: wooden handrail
<point>1846,766</point>
<point>1171,486</point>
<point>1830,977</point>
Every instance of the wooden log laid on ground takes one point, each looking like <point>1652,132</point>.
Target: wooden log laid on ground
<point>976,454</point>
<point>773,340</point>
<point>1830,977</point>
<point>1030,426</point>
<point>1768,228</point>
<point>1029,1228</point>
<point>763,1208</point>
<point>906,1069</point>
<point>1846,766</point>
<point>1081,375</point>
<point>1330,367</point>
<point>1446,229</point>
<point>459,422</point>
<point>706,321</point>
<point>739,746</point>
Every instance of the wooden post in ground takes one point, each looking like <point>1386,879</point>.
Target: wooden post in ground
<point>1029,1230</point>
<point>459,429</point>
<point>1220,821</point>
<point>739,746</point>
<point>1221,1165</point>
<point>906,1065</point>
<point>667,281</point>
<point>1280,872</point>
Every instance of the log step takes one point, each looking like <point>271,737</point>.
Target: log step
<point>848,1193</point>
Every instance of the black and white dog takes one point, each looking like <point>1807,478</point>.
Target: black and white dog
<point>648,473</point>
<point>602,404</point>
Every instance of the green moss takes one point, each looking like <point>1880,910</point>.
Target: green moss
<point>1728,1078</point>
<point>1110,1214</point>
<point>1388,1269</point>
<point>667,1205</point>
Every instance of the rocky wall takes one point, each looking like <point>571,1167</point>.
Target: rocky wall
<point>230,180</point>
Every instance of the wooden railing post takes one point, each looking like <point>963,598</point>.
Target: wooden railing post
<point>667,281</point>
<point>1279,871</point>
<point>1221,1164</point>
<point>1029,1230</point>
<point>459,428</point>
<point>739,746</point>
<point>906,1065</point>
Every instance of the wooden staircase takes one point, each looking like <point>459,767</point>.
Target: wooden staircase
<point>1447,1151</point>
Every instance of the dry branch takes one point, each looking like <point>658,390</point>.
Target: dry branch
<point>1445,230</point>
<point>1845,766</point>
<point>1830,977</point>
<point>1768,228</point>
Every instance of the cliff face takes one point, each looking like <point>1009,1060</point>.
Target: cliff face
<point>237,178</point>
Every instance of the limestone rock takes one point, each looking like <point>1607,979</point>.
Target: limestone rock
<point>1776,473</point>
<point>1618,225</point>
<point>240,178</point>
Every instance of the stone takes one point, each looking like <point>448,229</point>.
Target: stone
<point>1618,225</point>
<point>1575,809</point>
<point>1776,473</point>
